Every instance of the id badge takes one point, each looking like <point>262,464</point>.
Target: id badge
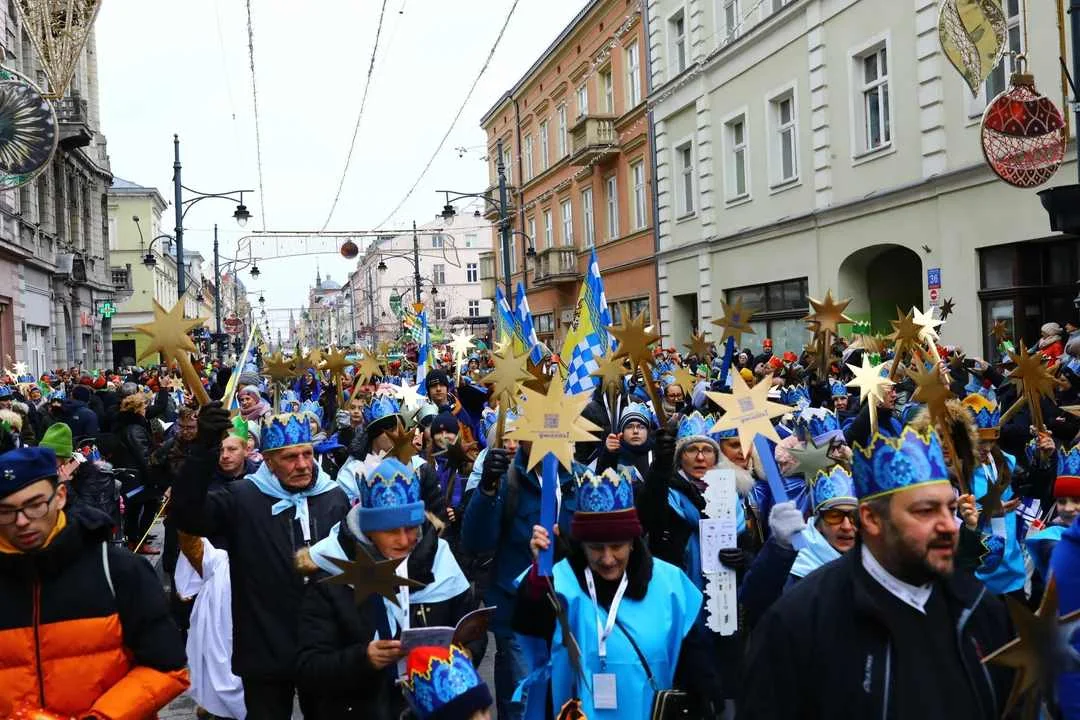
<point>605,696</point>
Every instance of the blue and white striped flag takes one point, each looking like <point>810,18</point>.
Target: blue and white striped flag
<point>587,340</point>
<point>423,358</point>
<point>525,326</point>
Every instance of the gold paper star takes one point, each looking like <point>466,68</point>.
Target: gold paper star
<point>277,367</point>
<point>552,422</point>
<point>368,367</point>
<point>404,449</point>
<point>749,410</point>
<point>1038,653</point>
<point>384,348</point>
<point>1034,381</point>
<point>685,379</point>
<point>829,314</point>
<point>932,391</point>
<point>368,577</point>
<point>510,370</point>
<point>811,459</point>
<point>461,343</point>
<point>169,333</point>
<point>315,357</point>
<point>999,331</point>
<point>698,345</point>
<point>335,362</point>
<point>871,384</point>
<point>905,331</point>
<point>300,362</point>
<point>634,341</point>
<point>610,373</point>
<point>927,324</point>
<point>735,321</point>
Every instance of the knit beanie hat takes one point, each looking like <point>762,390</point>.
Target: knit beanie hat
<point>58,439</point>
<point>390,498</point>
<point>80,393</point>
<point>636,412</point>
<point>445,422</point>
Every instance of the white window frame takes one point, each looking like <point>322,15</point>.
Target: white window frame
<point>860,145</point>
<point>472,272</point>
<point>513,255</point>
<point>685,197</point>
<point>532,232</point>
<point>607,90</point>
<point>549,230</point>
<point>508,164</point>
<point>527,157</point>
<point>677,43</point>
<point>438,274</point>
<point>438,240</point>
<point>562,144</point>
<point>632,58</point>
<point>473,308</point>
<point>440,310</point>
<point>471,239</point>
<point>729,17</point>
<point>638,195</point>
<point>588,217</point>
<point>544,157</point>
<point>566,214</point>
<point>611,205</point>
<point>731,152</point>
<point>583,99</point>
<point>778,5</point>
<point>977,105</point>
<point>776,130</point>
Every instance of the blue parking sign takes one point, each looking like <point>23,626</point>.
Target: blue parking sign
<point>933,278</point>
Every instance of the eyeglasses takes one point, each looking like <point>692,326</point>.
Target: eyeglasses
<point>33,511</point>
<point>701,450</point>
<point>833,516</point>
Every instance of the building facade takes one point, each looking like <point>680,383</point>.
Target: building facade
<point>807,145</point>
<point>578,158</point>
<point>56,278</point>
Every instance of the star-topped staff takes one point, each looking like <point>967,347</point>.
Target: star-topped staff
<point>829,316</point>
<point>368,577</point>
<point>335,361</point>
<point>301,361</point>
<point>812,459</point>
<point>748,410</point>
<point>1035,381</point>
<point>279,369</point>
<point>1040,652</point>
<point>928,333</point>
<point>368,367</point>
<point>460,344</point>
<point>872,384</point>
<point>610,374</point>
<point>684,379</point>
<point>409,395</point>
<point>169,336</point>
<point>734,322</point>
<point>931,390</point>
<point>904,337</point>
<point>634,343</point>
<point>699,346</point>
<point>999,331</point>
<point>505,380</point>
<point>403,448</point>
<point>552,423</point>
<point>947,309</point>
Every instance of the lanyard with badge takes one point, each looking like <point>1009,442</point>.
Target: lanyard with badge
<point>604,689</point>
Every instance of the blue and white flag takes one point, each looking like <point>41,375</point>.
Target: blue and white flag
<point>587,341</point>
<point>525,326</point>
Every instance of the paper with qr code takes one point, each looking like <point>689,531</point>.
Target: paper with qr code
<point>717,533</point>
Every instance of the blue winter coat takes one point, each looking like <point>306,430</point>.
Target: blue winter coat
<point>1065,565</point>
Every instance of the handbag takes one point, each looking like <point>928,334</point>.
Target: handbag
<point>667,704</point>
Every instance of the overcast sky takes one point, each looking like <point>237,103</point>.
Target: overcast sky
<point>182,67</point>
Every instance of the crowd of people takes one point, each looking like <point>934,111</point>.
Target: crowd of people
<point>875,587</point>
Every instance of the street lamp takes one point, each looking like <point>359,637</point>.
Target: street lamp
<point>255,271</point>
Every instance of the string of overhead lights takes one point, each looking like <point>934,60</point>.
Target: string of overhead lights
<point>255,105</point>
<point>359,116</point>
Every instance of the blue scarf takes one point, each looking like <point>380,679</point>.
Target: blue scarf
<point>817,552</point>
<point>692,556</point>
<point>268,484</point>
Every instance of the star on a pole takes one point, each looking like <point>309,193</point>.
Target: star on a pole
<point>335,362</point>
<point>20,369</point>
<point>927,323</point>
<point>748,410</point>
<point>301,363</point>
<point>1034,381</point>
<point>872,384</point>
<point>552,422</point>
<point>684,379</point>
<point>829,314</point>
<point>930,390</point>
<point>315,357</point>
<point>811,459</point>
<point>368,367</point>
<point>169,333</point>
<point>947,308</point>
<point>610,373</point>
<point>510,370</point>
<point>368,577</point>
<point>634,341</point>
<point>403,449</point>
<point>277,367</point>
<point>999,331</point>
<point>461,343</point>
<point>698,345</point>
<point>735,321</point>
<point>407,394</point>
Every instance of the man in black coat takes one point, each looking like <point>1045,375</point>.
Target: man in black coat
<point>889,630</point>
<point>283,508</point>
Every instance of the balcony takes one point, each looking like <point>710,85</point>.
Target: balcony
<point>73,117</point>
<point>491,209</point>
<point>593,139</point>
<point>556,265</point>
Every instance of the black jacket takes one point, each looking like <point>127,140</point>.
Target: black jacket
<point>132,444</point>
<point>334,635</point>
<point>81,419</point>
<point>825,650</point>
<point>266,590</point>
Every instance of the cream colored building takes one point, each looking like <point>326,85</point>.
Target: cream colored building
<point>804,145</point>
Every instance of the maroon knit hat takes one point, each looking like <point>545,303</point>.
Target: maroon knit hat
<point>605,527</point>
<point>605,510</point>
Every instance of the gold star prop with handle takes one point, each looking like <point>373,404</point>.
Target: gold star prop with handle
<point>811,459</point>
<point>928,333</point>
<point>169,336</point>
<point>315,357</point>
<point>368,577</point>
<point>735,321</point>
<point>552,422</point>
<point>368,367</point>
<point>460,345</point>
<point>872,384</point>
<point>634,343</point>
<point>684,379</point>
<point>748,410</point>
<point>610,373</point>
<point>335,361</point>
<point>1040,651</point>
<point>931,390</point>
<point>828,315</point>
<point>698,345</point>
<point>1034,381</point>
<point>403,448</point>
<point>904,337</point>
<point>999,331</point>
<point>504,381</point>
<point>301,362</point>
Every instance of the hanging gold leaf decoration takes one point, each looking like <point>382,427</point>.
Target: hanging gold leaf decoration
<point>972,35</point>
<point>58,30</point>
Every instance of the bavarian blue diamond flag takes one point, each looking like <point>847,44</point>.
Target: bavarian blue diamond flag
<point>525,326</point>
<point>587,340</point>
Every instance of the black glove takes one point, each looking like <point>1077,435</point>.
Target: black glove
<point>733,559</point>
<point>496,464</point>
<point>665,443</point>
<point>213,422</point>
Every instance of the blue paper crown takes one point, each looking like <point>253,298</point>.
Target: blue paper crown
<point>837,388</point>
<point>490,419</point>
<point>984,409</point>
<point>640,412</point>
<point>434,681</point>
<point>694,425</point>
<point>1069,462</point>
<point>890,464</point>
<point>381,406</point>
<point>795,395</point>
<point>819,425</point>
<point>311,407</point>
<point>284,430</point>
<point>390,497</point>
<point>290,401</point>
<point>832,487</point>
<point>609,491</point>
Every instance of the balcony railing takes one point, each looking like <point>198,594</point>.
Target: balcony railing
<point>593,139</point>
<point>557,264</point>
<point>73,117</point>
<point>491,209</point>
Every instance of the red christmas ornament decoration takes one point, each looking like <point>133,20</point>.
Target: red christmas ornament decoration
<point>349,250</point>
<point>1023,134</point>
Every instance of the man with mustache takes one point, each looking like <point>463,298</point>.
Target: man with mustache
<point>889,630</point>
<point>283,508</point>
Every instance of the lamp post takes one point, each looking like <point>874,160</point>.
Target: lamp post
<point>217,298</point>
<point>182,206</point>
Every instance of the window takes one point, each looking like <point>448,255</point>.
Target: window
<point>732,18</point>
<point>607,90</point>
<point>532,232</point>
<point>438,274</point>
<point>548,230</point>
<point>470,240</point>
<point>440,309</point>
<point>561,114</point>
<point>637,174</point>
<point>508,165</point>
<point>567,215</point>
<point>777,4</point>
<point>640,306</point>
<point>611,186</point>
<point>473,308</point>
<point>583,99</point>
<point>543,145</point>
<point>998,80</point>
<point>438,240</point>
<point>633,76</point>
<point>677,35</point>
<point>736,158</point>
<point>471,273</point>
<point>527,157</point>
<point>872,70</point>
<point>545,324</point>
<point>513,254</point>
<point>784,149</point>
<point>684,168</point>
<point>778,309</point>
<point>587,217</point>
